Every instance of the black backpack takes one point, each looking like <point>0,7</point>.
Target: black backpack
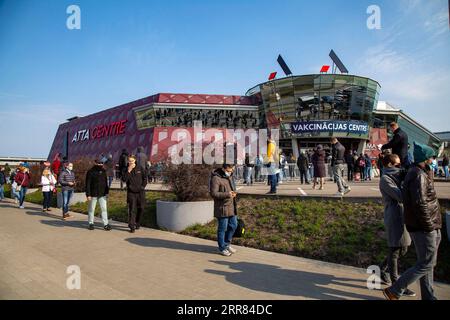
<point>240,230</point>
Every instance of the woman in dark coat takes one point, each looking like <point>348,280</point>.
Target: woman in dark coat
<point>318,160</point>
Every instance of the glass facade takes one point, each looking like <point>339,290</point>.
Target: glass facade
<point>323,97</point>
<point>241,117</point>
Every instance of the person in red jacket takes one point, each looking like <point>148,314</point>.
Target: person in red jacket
<point>22,179</point>
<point>56,165</point>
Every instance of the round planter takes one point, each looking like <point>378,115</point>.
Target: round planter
<point>177,216</point>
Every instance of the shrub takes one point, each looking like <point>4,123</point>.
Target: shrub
<point>188,182</point>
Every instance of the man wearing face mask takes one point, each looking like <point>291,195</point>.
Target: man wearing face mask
<point>423,220</point>
<point>67,180</point>
<point>223,191</point>
<point>97,189</point>
<point>136,179</point>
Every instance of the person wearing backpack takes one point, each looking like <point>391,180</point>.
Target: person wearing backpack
<point>223,191</point>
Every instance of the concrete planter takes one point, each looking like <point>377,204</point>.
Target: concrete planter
<point>76,197</point>
<point>177,216</point>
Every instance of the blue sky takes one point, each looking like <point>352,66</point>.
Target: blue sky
<point>126,50</point>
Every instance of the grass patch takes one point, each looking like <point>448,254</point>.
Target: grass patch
<point>333,231</point>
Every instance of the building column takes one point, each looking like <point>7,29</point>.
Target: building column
<point>295,150</point>
<point>362,146</point>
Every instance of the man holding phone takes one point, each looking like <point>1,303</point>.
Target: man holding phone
<point>223,191</point>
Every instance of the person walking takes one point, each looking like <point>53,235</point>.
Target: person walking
<point>22,179</point>
<point>303,165</point>
<point>337,164</point>
<point>423,220</point>
<point>223,191</point>
<point>67,180</point>
<point>398,143</point>
<point>318,160</point>
<point>14,193</point>
<point>445,162</point>
<point>361,163</point>
<point>123,165</point>
<point>48,182</point>
<point>2,183</point>
<point>398,239</point>
<point>135,178</point>
<point>97,189</point>
<point>258,167</point>
<point>109,167</point>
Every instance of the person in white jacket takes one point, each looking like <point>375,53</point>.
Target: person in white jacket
<point>48,182</point>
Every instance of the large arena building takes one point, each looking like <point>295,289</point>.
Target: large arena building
<point>307,109</point>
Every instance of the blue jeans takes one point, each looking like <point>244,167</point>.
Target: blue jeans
<point>225,230</point>
<point>67,195</point>
<point>22,193</point>
<point>248,176</point>
<point>426,244</point>
<point>2,192</point>
<point>273,182</point>
<point>447,175</point>
<point>110,181</point>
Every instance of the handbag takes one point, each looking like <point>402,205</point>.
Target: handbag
<point>240,230</point>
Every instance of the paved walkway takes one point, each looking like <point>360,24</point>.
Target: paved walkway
<point>362,190</point>
<point>36,249</point>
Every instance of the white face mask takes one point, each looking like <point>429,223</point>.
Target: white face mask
<point>227,173</point>
<point>70,168</point>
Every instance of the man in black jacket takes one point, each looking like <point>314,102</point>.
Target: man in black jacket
<point>123,165</point>
<point>303,166</point>
<point>423,220</point>
<point>398,143</point>
<point>136,179</point>
<point>337,163</point>
<point>97,190</point>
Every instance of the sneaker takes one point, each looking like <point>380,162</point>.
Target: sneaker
<point>339,194</point>
<point>347,190</point>
<point>21,207</point>
<point>389,295</point>
<point>320,188</point>
<point>385,279</point>
<point>138,227</point>
<point>225,253</point>
<point>232,250</point>
<point>48,209</point>
<point>408,293</point>
<point>91,226</point>
<point>132,230</point>
<point>107,227</point>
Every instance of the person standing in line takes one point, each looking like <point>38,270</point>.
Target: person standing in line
<point>248,170</point>
<point>318,160</point>
<point>258,166</point>
<point>368,167</point>
<point>445,162</point>
<point>2,183</point>
<point>48,182</point>
<point>291,165</point>
<point>22,179</point>
<point>56,165</point>
<point>67,181</point>
<point>7,173</point>
<point>123,165</point>
<point>398,143</point>
<point>109,166</point>
<point>362,166</point>
<point>310,172</point>
<point>337,164</point>
<point>303,165</point>
<point>423,220</point>
<point>223,191</point>
<point>398,239</point>
<point>350,165</point>
<point>272,160</point>
<point>12,178</point>
<point>97,189</point>
<point>135,178</point>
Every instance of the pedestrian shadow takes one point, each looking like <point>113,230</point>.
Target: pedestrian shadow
<point>174,245</point>
<point>276,280</point>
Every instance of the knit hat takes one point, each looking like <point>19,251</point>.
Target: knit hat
<point>422,152</point>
